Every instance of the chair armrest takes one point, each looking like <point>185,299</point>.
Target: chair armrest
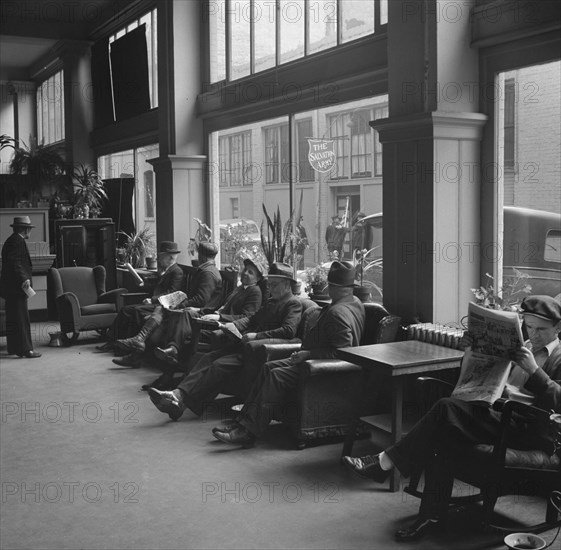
<point>68,308</point>
<point>524,410</point>
<point>111,296</point>
<point>272,352</point>
<point>435,383</point>
<point>131,298</point>
<point>315,367</point>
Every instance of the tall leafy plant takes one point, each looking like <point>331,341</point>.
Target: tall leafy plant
<point>274,239</point>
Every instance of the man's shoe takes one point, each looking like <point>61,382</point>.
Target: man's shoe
<point>167,402</point>
<point>108,346</point>
<point>165,382</point>
<point>131,360</point>
<point>235,434</point>
<point>31,355</point>
<point>169,355</point>
<point>418,529</point>
<point>367,466</point>
<point>131,344</point>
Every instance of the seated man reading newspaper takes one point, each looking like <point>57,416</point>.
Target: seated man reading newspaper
<point>534,374</point>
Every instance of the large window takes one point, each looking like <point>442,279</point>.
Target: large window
<point>248,36</point>
<point>358,149</point>
<point>150,20</point>
<point>528,173</point>
<point>132,164</point>
<point>50,110</point>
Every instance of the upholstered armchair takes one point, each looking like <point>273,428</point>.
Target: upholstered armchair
<point>326,394</point>
<point>81,300</point>
<point>496,469</point>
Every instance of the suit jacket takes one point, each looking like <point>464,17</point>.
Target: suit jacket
<point>205,289</point>
<point>545,383</point>
<point>170,281</point>
<point>16,266</point>
<point>275,319</point>
<point>242,302</point>
<point>339,325</point>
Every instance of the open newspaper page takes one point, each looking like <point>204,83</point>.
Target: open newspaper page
<point>486,365</point>
<point>173,299</point>
<point>231,328</point>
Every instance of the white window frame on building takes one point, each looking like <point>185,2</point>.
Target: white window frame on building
<point>50,110</point>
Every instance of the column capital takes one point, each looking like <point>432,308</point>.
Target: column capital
<point>433,125</point>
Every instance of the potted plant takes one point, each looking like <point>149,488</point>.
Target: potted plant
<point>508,296</point>
<point>38,164</point>
<point>89,192</point>
<point>316,280</point>
<point>367,268</point>
<point>136,247</point>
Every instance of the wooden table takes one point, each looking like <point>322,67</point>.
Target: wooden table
<point>396,360</point>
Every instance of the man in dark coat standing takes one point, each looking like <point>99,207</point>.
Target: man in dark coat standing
<point>15,287</point>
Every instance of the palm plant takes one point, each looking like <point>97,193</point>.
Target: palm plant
<point>89,189</point>
<point>37,161</point>
<point>137,246</point>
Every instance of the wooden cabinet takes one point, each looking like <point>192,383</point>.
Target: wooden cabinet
<point>87,242</point>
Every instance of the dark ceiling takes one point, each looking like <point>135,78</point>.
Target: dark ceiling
<point>30,28</point>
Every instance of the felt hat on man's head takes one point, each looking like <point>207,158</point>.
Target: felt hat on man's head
<point>22,221</point>
<point>341,274</point>
<point>208,249</point>
<point>544,307</point>
<point>260,266</point>
<point>168,247</point>
<point>335,217</point>
<point>280,270</point>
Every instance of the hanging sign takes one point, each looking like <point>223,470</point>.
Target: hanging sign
<point>321,154</point>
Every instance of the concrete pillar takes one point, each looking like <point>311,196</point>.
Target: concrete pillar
<point>181,187</point>
<point>431,161</point>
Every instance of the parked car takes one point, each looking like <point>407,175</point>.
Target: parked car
<point>531,244</point>
<point>235,232</point>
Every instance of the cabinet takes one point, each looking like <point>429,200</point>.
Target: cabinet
<point>89,243</point>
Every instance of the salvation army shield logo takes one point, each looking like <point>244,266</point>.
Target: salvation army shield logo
<point>321,154</point>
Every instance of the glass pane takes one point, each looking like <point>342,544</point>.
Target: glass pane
<point>357,19</point>
<point>383,12</point>
<point>240,39</point>
<point>322,21</point>
<point>291,30</point>
<point>318,194</point>
<point>217,26</point>
<point>529,167</point>
<point>265,34</point>
<point>145,189</point>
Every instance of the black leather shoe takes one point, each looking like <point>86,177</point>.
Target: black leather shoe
<point>169,355</point>
<point>235,434</point>
<point>131,360</point>
<point>167,402</point>
<point>31,355</point>
<point>418,529</point>
<point>367,466</point>
<point>165,382</point>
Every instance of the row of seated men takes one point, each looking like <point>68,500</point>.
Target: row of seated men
<point>450,424</point>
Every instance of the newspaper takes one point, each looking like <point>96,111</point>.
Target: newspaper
<point>172,300</point>
<point>230,328</point>
<point>486,365</point>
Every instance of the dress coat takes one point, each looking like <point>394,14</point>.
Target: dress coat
<point>16,269</point>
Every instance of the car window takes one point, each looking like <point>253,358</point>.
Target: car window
<point>552,251</point>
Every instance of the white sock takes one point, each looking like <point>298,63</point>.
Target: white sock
<point>385,461</point>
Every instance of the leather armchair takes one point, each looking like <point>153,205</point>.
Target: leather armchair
<point>496,469</point>
<point>326,393</point>
<point>81,300</point>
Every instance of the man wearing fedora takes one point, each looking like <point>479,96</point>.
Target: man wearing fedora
<point>279,317</point>
<point>205,290</point>
<point>452,426</point>
<point>131,317</point>
<point>15,284</point>
<point>339,325</point>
